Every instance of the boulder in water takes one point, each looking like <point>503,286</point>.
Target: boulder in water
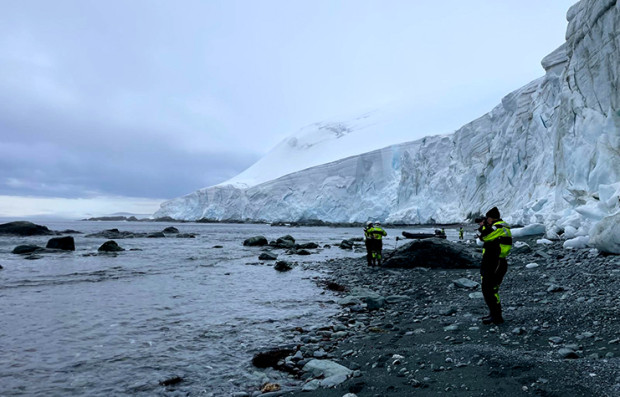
<point>283,266</point>
<point>156,235</point>
<point>256,241</point>
<point>171,230</point>
<point>27,249</point>
<point>110,246</point>
<point>62,243</point>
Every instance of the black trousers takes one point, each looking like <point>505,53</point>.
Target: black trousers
<point>368,243</point>
<point>493,271</point>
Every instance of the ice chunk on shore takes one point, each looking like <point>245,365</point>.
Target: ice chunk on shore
<point>529,230</point>
<point>577,242</point>
<point>605,235</point>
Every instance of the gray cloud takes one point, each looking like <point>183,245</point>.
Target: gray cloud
<point>156,99</point>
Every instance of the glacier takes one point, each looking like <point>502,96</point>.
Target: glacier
<point>548,154</point>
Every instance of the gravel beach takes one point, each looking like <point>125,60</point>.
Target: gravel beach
<point>420,333</point>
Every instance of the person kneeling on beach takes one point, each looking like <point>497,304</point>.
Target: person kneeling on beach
<point>497,238</point>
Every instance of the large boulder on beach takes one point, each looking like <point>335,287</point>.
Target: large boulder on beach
<point>433,253</point>
<point>110,246</point>
<point>24,228</point>
<point>61,243</point>
<point>256,241</point>
<point>171,230</point>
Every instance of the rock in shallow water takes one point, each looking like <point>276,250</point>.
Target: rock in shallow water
<point>62,243</point>
<point>110,246</point>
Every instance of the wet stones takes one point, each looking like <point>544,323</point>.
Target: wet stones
<point>271,357</point>
<point>115,234</point>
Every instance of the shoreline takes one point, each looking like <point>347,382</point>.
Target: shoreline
<point>309,223</point>
<point>561,335</point>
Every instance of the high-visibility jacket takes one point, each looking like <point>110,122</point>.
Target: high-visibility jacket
<point>497,234</point>
<point>375,233</point>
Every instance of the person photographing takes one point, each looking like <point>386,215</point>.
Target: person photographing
<point>497,239</point>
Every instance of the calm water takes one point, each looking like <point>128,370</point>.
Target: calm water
<point>76,324</point>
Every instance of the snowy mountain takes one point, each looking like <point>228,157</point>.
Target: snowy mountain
<point>548,153</point>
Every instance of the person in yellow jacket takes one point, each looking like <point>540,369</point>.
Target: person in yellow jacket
<point>368,243</point>
<point>376,234</point>
<point>497,238</point>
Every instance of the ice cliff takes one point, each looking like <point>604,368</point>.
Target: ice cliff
<point>548,153</point>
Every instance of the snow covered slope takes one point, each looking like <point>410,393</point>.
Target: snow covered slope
<point>548,153</point>
<point>313,145</point>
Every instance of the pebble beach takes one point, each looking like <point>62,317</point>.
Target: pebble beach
<point>403,332</point>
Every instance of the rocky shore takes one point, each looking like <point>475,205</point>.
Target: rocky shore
<point>417,331</point>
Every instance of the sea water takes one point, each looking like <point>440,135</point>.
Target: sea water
<point>87,323</point>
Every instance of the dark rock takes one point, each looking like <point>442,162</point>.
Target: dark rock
<point>255,241</point>
<point>288,237</point>
<point>70,231</point>
<point>156,235</point>
<point>434,253</point>
<point>268,256</point>
<point>171,381</point>
<point>23,228</point>
<point>61,243</point>
<point>110,246</point>
<point>218,246</point>
<point>114,234</point>
<point>271,357</point>
<point>346,244</point>
<point>171,230</point>
<point>1,267</point>
<point>332,286</point>
<point>283,266</point>
<point>27,249</point>
<point>307,246</point>
<point>284,242</point>
<point>186,235</point>
<point>304,252</point>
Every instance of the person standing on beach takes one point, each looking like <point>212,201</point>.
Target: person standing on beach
<point>461,232</point>
<point>376,234</point>
<point>368,243</point>
<point>497,238</point>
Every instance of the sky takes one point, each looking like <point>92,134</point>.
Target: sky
<point>115,106</point>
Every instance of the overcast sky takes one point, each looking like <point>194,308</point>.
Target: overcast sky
<point>127,103</point>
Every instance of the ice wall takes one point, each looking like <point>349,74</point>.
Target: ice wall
<point>549,153</point>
